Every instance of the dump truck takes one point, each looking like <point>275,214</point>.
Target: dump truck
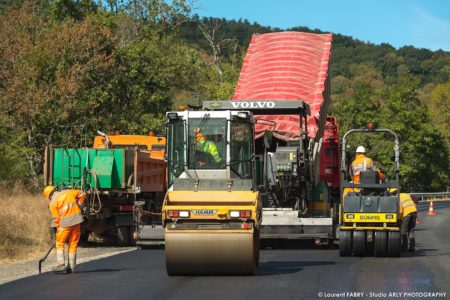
<point>302,165</point>
<point>116,172</point>
<point>270,181</point>
<point>369,213</point>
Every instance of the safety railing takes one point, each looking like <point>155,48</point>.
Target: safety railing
<point>431,196</point>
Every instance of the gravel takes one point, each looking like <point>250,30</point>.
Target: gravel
<point>16,270</point>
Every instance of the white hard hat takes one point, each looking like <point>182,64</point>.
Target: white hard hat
<point>360,149</point>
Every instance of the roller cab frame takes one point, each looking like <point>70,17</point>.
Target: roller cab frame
<point>212,210</point>
<point>369,213</point>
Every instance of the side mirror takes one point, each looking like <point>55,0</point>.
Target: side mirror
<point>268,138</point>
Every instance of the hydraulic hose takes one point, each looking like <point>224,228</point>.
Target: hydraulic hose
<point>95,203</point>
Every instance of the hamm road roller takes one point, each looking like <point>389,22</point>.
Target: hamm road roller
<point>369,213</point>
<point>212,211</point>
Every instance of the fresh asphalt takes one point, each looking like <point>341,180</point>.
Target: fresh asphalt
<point>297,272</point>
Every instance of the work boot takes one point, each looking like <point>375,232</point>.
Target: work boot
<point>60,265</point>
<point>59,268</point>
<point>72,263</point>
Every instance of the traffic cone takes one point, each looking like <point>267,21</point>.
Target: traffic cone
<point>431,211</point>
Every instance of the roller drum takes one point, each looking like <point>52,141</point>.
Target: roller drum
<point>198,253</point>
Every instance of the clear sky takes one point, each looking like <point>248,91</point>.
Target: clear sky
<point>420,23</point>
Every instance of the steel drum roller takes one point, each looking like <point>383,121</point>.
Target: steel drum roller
<point>210,253</point>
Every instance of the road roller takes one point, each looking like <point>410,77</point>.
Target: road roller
<point>369,211</point>
<point>212,210</point>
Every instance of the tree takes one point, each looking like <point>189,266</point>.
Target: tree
<point>424,152</point>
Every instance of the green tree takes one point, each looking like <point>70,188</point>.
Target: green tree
<point>424,152</point>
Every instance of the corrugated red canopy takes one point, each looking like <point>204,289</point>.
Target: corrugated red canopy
<point>287,66</point>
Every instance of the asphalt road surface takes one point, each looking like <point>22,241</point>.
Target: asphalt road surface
<point>294,273</point>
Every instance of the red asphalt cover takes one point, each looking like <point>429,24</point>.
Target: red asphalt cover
<point>287,66</point>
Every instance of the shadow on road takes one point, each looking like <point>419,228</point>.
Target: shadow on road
<point>101,271</point>
<point>268,244</point>
<point>424,252</point>
<point>269,268</point>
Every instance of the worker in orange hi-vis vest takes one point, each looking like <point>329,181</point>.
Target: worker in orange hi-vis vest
<point>66,214</point>
<point>363,163</point>
<point>408,214</point>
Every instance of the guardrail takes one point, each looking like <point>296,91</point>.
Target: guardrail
<point>431,196</point>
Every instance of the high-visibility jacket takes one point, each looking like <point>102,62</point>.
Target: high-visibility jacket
<point>407,205</point>
<point>65,208</point>
<point>363,163</point>
<point>211,148</point>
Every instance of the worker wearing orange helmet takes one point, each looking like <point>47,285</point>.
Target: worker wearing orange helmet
<point>408,214</point>
<point>204,145</point>
<point>363,163</point>
<point>66,214</point>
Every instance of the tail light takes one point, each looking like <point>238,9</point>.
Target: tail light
<point>178,213</point>
<point>240,214</point>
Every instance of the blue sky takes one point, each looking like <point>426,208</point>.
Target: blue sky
<point>420,23</point>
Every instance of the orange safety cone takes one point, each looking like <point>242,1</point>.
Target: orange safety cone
<point>431,211</point>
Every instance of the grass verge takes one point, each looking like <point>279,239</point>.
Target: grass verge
<point>24,224</point>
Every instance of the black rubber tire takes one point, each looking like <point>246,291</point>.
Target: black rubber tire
<point>345,243</point>
<point>369,245</point>
<point>380,244</point>
<point>123,235</point>
<point>394,244</point>
<point>359,243</point>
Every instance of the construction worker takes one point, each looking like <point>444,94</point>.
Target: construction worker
<point>363,163</point>
<point>66,214</point>
<point>408,214</point>
<point>204,145</point>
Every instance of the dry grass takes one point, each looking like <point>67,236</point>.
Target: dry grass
<point>24,224</point>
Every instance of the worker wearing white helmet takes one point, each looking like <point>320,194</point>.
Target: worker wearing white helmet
<point>363,163</point>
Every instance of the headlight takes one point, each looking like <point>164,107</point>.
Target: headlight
<point>350,216</point>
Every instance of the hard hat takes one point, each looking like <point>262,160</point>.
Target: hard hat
<point>47,191</point>
<point>360,149</point>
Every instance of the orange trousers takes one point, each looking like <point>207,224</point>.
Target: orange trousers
<point>70,234</point>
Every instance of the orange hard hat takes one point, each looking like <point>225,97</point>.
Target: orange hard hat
<point>47,191</point>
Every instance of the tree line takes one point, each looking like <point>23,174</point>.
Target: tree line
<point>70,67</point>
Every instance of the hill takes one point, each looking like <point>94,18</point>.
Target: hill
<point>70,67</point>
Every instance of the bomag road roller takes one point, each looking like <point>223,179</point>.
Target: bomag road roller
<point>369,212</point>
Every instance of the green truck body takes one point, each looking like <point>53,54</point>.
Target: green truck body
<point>109,169</point>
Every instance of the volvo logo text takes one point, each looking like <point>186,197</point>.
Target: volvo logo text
<point>258,104</point>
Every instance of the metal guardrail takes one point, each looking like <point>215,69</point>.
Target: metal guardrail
<point>431,196</point>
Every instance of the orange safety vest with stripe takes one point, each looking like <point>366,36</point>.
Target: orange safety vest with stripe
<point>407,205</point>
<point>65,208</point>
<point>363,163</point>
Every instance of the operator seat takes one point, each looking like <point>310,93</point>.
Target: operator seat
<point>369,177</point>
